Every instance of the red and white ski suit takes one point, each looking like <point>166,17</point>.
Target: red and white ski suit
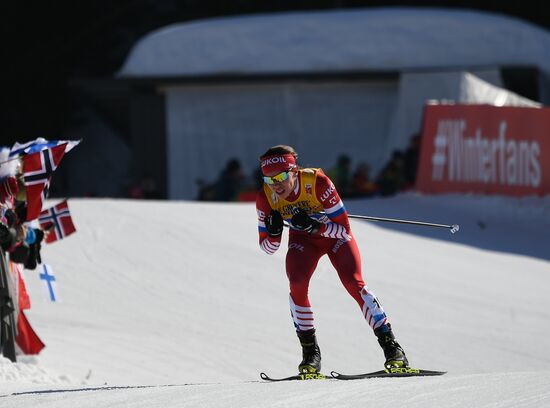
<point>315,193</point>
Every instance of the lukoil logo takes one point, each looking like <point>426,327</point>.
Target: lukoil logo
<point>328,192</point>
<point>273,160</point>
<point>482,159</point>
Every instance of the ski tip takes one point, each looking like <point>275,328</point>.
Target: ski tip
<point>300,377</point>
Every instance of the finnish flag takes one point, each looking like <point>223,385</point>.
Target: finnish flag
<point>49,279</point>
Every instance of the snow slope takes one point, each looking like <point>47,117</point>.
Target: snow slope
<point>169,304</point>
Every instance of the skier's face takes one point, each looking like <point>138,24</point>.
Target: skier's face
<point>284,187</point>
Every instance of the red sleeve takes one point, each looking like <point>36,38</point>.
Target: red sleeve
<point>268,244</point>
<point>330,199</point>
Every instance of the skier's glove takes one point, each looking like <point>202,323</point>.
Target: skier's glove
<point>274,223</point>
<point>304,222</point>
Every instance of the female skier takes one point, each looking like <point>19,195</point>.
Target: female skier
<point>306,199</point>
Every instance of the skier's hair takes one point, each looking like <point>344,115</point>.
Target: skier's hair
<point>279,149</point>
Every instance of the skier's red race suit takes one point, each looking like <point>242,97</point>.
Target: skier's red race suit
<point>315,193</point>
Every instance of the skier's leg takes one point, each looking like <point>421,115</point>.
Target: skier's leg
<point>301,261</point>
<point>346,259</point>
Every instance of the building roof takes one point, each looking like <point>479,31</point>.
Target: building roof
<point>327,41</point>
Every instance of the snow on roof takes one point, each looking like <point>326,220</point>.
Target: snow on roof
<point>359,39</point>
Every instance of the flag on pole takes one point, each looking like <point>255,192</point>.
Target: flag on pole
<point>37,171</point>
<point>57,221</point>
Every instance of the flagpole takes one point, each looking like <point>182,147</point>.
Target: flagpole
<point>22,155</point>
<point>10,160</point>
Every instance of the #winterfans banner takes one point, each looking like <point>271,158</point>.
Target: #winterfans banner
<point>57,222</point>
<point>485,149</point>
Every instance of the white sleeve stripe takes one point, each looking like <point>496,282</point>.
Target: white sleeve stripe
<point>268,251</point>
<point>269,247</point>
<point>272,245</point>
<point>335,231</point>
<point>334,208</point>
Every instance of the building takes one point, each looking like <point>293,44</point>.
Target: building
<point>191,96</point>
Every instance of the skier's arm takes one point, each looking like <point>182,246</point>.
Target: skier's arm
<point>338,226</point>
<point>269,244</point>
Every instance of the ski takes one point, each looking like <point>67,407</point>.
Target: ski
<point>298,377</point>
<point>392,372</point>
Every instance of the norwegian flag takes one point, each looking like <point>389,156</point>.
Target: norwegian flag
<point>37,171</point>
<point>57,220</point>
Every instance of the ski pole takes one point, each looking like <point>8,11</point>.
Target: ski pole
<point>454,228</point>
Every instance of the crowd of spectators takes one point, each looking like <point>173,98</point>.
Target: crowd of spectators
<point>25,174</point>
<point>21,243</point>
<point>18,238</point>
<point>231,185</point>
<point>398,174</point>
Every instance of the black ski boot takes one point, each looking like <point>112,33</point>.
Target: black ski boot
<point>311,354</point>
<point>395,356</point>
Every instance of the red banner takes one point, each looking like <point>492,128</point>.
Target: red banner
<point>485,149</point>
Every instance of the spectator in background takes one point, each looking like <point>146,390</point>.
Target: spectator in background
<point>340,175</point>
<point>362,185</point>
<point>21,240</point>
<point>206,191</point>
<point>26,251</point>
<point>258,179</point>
<point>392,178</point>
<point>145,189</point>
<point>411,159</point>
<point>227,187</point>
<point>231,181</point>
<point>8,233</point>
